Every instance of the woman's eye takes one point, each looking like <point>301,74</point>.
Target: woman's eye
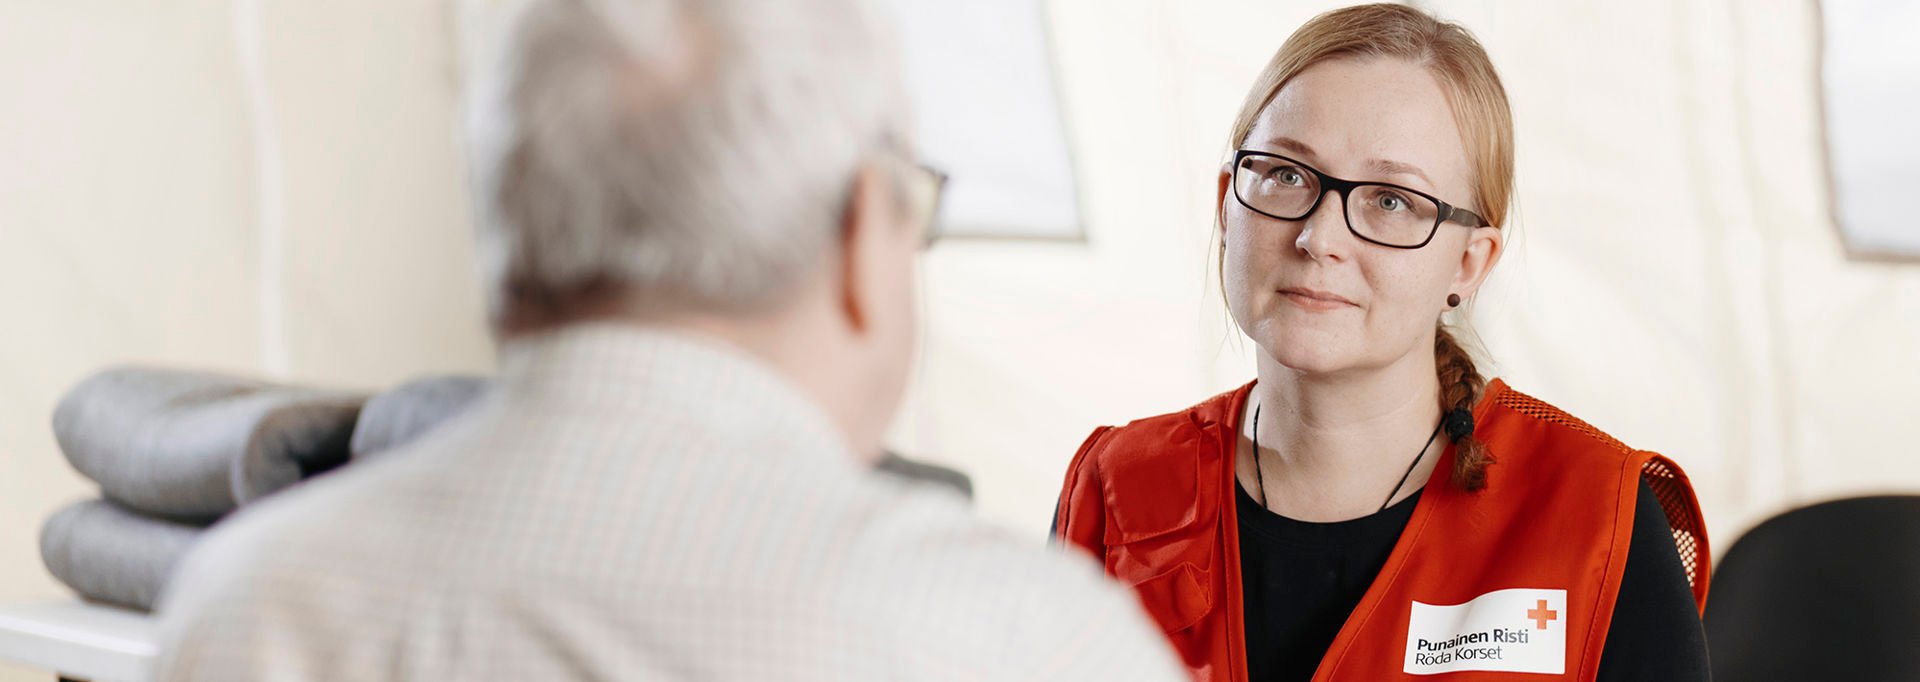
<point>1390,202</point>
<point>1289,177</point>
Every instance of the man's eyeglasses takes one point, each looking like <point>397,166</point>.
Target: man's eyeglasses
<point>924,186</point>
<point>1386,214</point>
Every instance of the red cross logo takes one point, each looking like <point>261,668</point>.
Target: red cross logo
<point>1540,615</point>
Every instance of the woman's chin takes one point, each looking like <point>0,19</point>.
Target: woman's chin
<point>1310,355</point>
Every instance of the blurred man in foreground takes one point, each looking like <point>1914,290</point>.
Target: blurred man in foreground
<point>699,222</point>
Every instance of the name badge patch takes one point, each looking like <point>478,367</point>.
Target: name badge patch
<point>1518,630</point>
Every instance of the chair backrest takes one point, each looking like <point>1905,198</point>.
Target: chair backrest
<point>1825,592</point>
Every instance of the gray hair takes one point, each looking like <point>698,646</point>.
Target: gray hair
<point>693,153</point>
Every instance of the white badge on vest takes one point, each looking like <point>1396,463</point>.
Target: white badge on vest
<point>1519,630</point>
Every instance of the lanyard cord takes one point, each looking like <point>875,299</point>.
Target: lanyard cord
<point>1261,481</point>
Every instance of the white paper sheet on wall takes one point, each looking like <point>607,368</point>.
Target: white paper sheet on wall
<point>1871,76</point>
<point>980,79</point>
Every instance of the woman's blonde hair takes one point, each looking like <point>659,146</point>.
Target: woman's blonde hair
<point>1480,108</point>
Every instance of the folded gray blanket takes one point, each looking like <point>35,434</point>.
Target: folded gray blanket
<point>110,554</point>
<point>396,417</point>
<point>192,446</point>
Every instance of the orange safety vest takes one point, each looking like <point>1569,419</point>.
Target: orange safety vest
<point>1517,578</point>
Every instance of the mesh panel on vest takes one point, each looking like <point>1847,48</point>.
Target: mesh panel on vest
<point>1667,486</point>
<point>1662,479</point>
<point>1532,407</point>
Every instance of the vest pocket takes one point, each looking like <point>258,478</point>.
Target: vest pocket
<point>1161,526</point>
<point>1168,567</point>
<point>1176,598</point>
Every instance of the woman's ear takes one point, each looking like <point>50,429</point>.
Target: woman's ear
<point>1220,200</point>
<point>1485,245</point>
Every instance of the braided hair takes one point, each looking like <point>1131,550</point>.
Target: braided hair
<point>1460,388</point>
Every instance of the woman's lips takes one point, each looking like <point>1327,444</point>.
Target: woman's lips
<point>1311,299</point>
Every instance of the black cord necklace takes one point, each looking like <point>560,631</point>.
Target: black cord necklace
<point>1261,481</point>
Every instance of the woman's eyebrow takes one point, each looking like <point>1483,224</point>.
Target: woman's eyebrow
<point>1383,166</point>
<point>1292,145</point>
<point>1391,167</point>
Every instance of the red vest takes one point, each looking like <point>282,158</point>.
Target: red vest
<point>1519,577</point>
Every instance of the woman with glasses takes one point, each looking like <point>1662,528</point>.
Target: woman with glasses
<point>1369,507</point>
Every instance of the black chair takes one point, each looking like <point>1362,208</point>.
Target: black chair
<point>1826,592</point>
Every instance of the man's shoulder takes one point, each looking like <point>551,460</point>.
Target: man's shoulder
<point>936,576</point>
<point>274,587</point>
<point>326,531</point>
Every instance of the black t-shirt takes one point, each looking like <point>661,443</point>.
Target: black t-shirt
<point>1302,579</point>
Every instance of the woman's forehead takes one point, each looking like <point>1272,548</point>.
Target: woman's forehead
<point>1375,119</point>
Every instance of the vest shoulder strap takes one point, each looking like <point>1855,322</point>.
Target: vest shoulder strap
<point>1665,478</point>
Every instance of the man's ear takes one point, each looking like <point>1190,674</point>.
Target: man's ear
<point>1485,246</point>
<point>861,227</point>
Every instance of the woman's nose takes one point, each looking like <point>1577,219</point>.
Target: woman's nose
<point>1323,233</point>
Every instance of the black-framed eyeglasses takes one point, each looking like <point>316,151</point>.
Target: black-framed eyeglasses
<point>1382,213</point>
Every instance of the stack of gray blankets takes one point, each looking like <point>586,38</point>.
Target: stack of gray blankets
<point>174,451</point>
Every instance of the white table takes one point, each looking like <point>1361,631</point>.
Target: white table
<point>77,640</point>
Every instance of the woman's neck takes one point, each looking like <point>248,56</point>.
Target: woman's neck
<point>1332,446</point>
